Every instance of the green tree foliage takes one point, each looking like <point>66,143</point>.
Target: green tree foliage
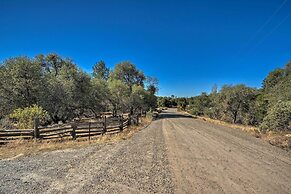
<point>138,98</point>
<point>277,85</point>
<point>214,109</point>
<point>128,74</point>
<point>52,63</point>
<point>100,71</point>
<point>150,101</point>
<point>199,104</point>
<point>268,107</point>
<point>167,101</point>
<point>235,101</point>
<point>99,96</point>
<point>21,84</point>
<point>151,91</point>
<point>119,95</point>
<point>231,103</point>
<point>26,116</point>
<point>152,85</point>
<point>67,88</point>
<point>182,103</point>
<point>278,117</point>
<point>62,89</point>
<point>258,109</point>
<point>274,99</point>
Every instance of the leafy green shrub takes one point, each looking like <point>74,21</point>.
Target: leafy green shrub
<point>278,117</point>
<point>195,111</point>
<point>25,117</point>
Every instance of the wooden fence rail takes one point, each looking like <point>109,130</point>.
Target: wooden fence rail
<point>72,130</point>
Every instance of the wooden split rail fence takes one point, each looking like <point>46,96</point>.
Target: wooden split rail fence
<point>74,130</point>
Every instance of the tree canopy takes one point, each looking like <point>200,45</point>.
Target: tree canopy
<point>59,87</point>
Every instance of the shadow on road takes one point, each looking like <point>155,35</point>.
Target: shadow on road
<point>169,115</point>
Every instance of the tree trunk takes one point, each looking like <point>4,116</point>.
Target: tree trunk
<point>235,113</point>
<point>234,117</point>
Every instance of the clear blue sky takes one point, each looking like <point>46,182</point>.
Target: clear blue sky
<point>187,45</point>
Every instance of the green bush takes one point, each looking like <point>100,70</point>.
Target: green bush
<point>195,111</point>
<point>278,117</point>
<point>25,117</point>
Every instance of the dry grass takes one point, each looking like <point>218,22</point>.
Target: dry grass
<point>250,129</point>
<point>280,139</point>
<point>20,148</point>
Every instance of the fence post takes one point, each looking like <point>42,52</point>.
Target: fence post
<point>89,131</point>
<point>121,123</point>
<point>129,120</point>
<point>74,127</point>
<point>36,129</point>
<point>104,125</point>
<point>137,119</point>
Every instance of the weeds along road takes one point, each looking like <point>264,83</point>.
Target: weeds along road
<point>175,154</point>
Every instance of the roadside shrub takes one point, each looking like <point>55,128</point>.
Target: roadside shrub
<point>195,111</point>
<point>25,117</point>
<point>278,117</point>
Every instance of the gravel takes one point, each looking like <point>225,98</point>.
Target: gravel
<point>136,165</point>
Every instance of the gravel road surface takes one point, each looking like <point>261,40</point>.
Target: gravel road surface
<point>175,154</point>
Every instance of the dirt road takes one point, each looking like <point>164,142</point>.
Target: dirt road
<point>175,154</point>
